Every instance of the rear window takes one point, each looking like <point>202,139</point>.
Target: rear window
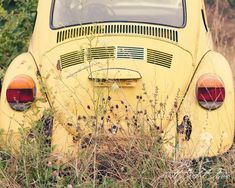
<point>76,12</point>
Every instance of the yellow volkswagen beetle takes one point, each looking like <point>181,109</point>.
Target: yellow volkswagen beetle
<point>121,69</point>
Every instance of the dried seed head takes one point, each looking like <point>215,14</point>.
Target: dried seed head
<point>114,129</point>
<point>70,124</point>
<point>76,139</point>
<point>176,104</point>
<point>78,129</point>
<point>145,112</point>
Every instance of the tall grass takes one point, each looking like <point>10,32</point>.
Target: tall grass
<point>140,163</point>
<point>222,20</point>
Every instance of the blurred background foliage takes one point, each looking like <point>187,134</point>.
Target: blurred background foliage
<point>232,2</point>
<point>16,25</point>
<point>16,18</point>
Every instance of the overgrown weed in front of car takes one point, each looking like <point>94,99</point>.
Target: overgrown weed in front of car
<point>142,165</point>
<point>137,161</point>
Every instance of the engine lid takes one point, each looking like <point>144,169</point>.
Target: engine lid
<point>87,82</point>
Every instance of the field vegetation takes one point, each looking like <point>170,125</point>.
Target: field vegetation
<point>141,164</point>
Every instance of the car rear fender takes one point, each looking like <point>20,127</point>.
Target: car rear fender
<point>212,131</point>
<point>10,120</point>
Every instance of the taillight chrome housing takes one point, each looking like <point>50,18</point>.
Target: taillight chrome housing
<point>21,92</point>
<point>210,91</point>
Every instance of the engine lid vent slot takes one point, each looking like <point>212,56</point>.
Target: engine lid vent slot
<point>130,53</point>
<point>80,31</point>
<point>71,59</point>
<point>159,58</point>
<point>100,53</point>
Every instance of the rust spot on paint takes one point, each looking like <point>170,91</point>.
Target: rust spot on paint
<point>185,128</point>
<point>58,66</point>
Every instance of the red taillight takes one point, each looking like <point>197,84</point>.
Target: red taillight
<point>20,95</point>
<point>210,91</point>
<point>211,94</point>
<point>21,92</point>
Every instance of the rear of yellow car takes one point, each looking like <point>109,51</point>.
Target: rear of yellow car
<point>123,74</point>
